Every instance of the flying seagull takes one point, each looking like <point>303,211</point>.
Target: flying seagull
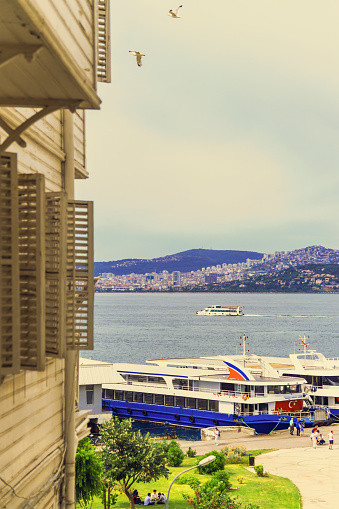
<point>138,55</point>
<point>174,14</point>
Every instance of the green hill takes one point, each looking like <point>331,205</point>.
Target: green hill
<point>310,278</point>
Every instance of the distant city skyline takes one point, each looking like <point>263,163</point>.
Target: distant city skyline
<point>165,279</point>
<point>225,138</point>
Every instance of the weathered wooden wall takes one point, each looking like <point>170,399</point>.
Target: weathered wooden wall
<point>76,20</point>
<point>31,432</point>
<point>45,152</point>
<point>32,428</point>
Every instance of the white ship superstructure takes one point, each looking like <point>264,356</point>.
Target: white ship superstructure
<point>320,373</point>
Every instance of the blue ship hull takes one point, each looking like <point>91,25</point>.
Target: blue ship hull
<point>334,413</point>
<point>193,418</point>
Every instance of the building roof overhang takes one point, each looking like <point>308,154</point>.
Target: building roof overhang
<point>36,69</point>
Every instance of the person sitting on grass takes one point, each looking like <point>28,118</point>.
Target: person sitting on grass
<point>154,496</point>
<point>136,497</point>
<point>162,498</point>
<point>147,500</point>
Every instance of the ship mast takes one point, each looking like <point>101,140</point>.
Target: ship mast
<point>244,338</point>
<point>305,345</point>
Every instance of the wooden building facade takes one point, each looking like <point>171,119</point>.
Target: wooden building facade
<point>52,54</point>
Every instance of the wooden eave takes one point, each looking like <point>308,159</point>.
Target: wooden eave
<point>36,69</point>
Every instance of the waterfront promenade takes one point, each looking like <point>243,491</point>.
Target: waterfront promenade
<point>314,471</point>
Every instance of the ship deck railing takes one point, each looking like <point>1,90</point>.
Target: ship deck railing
<point>214,391</point>
<point>333,359</point>
<point>299,415</point>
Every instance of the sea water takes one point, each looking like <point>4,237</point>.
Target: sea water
<point>134,327</point>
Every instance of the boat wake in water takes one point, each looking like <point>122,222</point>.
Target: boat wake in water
<point>290,316</point>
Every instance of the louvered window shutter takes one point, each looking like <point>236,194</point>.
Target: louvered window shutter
<point>104,43</point>
<point>9,267</point>
<point>32,270</point>
<point>56,221</point>
<point>80,276</point>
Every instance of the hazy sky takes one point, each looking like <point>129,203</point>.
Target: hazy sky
<point>226,137</point>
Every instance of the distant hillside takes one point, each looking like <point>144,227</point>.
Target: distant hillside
<point>194,259</point>
<point>309,278</point>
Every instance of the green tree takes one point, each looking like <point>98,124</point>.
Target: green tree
<point>109,495</point>
<point>217,464</point>
<point>128,457</point>
<point>88,473</point>
<point>175,455</point>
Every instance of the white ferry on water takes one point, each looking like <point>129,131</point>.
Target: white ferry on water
<point>222,311</point>
<point>223,390</point>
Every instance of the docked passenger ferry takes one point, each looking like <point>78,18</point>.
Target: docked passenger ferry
<point>222,311</point>
<point>208,391</point>
<point>320,373</point>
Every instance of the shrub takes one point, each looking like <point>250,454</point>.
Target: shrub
<point>238,450</point>
<point>213,495</point>
<point>164,445</point>
<point>191,453</point>
<point>235,454</point>
<point>259,470</point>
<point>225,450</point>
<point>192,481</point>
<point>217,464</point>
<point>240,479</point>
<point>175,455</point>
<point>220,480</point>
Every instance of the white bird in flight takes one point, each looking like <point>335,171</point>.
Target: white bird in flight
<point>138,55</point>
<point>174,14</point>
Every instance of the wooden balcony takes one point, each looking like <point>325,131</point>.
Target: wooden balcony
<point>49,53</point>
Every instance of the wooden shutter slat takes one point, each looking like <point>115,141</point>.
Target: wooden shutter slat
<point>56,228</point>
<point>80,276</point>
<point>104,42</point>
<point>31,190</point>
<point>9,267</point>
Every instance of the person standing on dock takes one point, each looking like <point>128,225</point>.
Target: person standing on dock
<point>297,425</point>
<point>291,426</point>
<point>216,436</point>
<point>314,437</point>
<point>302,433</point>
<point>330,439</point>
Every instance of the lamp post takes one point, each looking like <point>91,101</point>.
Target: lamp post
<point>202,463</point>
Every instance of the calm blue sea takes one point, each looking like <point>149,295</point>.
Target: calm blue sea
<point>136,327</point>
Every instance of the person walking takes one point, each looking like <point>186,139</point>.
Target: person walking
<point>216,436</point>
<point>291,426</point>
<point>330,439</point>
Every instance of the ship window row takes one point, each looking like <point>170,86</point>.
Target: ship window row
<point>319,381</point>
<point>161,399</point>
<point>259,390</point>
<point>323,400</point>
<point>143,378</point>
<point>283,389</point>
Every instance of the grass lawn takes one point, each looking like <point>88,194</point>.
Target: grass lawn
<point>270,492</point>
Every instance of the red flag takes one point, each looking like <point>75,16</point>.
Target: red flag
<point>303,342</point>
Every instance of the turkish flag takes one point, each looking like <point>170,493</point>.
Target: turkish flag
<point>293,405</point>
